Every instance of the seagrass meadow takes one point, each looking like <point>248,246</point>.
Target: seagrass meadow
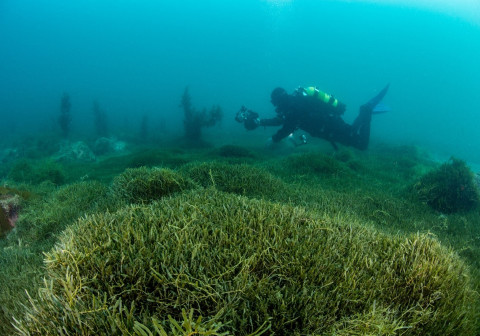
<point>230,240</point>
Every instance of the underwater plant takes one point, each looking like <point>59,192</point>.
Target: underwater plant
<point>194,120</point>
<point>41,220</point>
<point>241,179</point>
<point>35,172</point>
<point>47,217</point>
<point>316,163</point>
<point>20,271</point>
<point>232,151</point>
<point>450,188</point>
<point>154,157</point>
<point>65,117</point>
<point>143,185</point>
<point>251,266</point>
<point>37,147</point>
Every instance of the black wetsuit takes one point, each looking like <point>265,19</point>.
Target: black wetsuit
<point>320,120</point>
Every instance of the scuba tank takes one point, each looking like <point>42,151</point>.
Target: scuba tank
<point>312,91</point>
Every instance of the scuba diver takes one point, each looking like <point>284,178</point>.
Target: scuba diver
<point>317,113</point>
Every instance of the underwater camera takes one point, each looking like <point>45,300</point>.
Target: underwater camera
<point>248,117</point>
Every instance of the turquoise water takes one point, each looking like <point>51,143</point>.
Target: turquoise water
<point>136,57</point>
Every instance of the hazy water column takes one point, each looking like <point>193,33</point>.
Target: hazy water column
<point>136,58</point>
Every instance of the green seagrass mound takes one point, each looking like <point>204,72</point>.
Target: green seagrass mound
<point>241,179</point>
<point>143,185</point>
<point>316,163</point>
<point>246,266</point>
<point>45,219</point>
<point>450,188</point>
<point>232,151</point>
<point>37,171</point>
<point>40,221</point>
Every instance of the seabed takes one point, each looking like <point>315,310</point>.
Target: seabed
<point>226,237</point>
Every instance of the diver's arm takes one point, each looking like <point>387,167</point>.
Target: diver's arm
<point>277,121</point>
<point>286,130</point>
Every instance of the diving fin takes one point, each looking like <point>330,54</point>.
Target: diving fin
<point>374,102</point>
<point>380,108</point>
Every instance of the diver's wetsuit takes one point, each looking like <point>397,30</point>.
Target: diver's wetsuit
<point>320,120</point>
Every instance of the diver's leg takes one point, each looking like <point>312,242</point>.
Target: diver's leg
<point>356,135</point>
<point>362,138</point>
<point>361,125</point>
<point>360,129</point>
